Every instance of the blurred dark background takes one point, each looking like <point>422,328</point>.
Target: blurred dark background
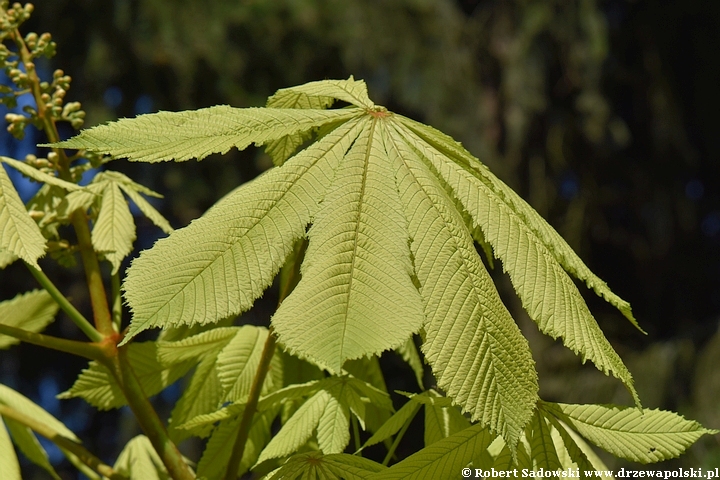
<point>601,113</point>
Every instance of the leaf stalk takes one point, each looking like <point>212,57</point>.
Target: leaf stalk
<point>289,278</point>
<point>67,307</point>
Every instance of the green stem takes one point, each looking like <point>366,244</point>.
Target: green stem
<point>395,444</point>
<point>116,302</point>
<point>289,278</point>
<point>104,331</point>
<point>148,418</point>
<point>72,312</point>
<point>356,434</point>
<point>61,441</point>
<point>93,275</point>
<point>87,350</point>
<point>243,433</point>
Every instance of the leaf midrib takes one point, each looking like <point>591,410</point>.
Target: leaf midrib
<point>355,237</point>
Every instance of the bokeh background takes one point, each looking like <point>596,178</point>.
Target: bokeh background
<point>603,114</point>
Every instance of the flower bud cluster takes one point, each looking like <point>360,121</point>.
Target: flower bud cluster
<point>19,66</point>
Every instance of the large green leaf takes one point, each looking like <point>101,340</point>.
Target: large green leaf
<point>643,436</point>
<point>31,311</point>
<point>393,209</point>
<point>19,234</point>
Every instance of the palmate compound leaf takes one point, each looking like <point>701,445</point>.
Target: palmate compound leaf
<point>391,209</point>
<point>31,311</point>
<point>644,436</point>
<point>327,414</point>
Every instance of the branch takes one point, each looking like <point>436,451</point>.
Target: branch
<point>77,317</point>
<point>98,298</point>
<point>63,442</point>
<point>87,350</point>
<point>148,418</point>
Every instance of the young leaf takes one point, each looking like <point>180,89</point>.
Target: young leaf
<point>40,176</point>
<point>238,361</point>
<point>204,392</point>
<point>19,234</point>
<point>133,190</point>
<point>216,455</point>
<point>442,421</point>
<point>9,465</point>
<point>29,445</point>
<point>316,466</point>
<point>442,459</point>
<point>181,136</point>
<point>298,429</point>
<point>98,387</point>
<point>138,460</point>
<point>114,230</point>
<point>226,275</point>
<point>22,404</point>
<point>643,436</point>
<point>31,311</point>
<point>393,425</point>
